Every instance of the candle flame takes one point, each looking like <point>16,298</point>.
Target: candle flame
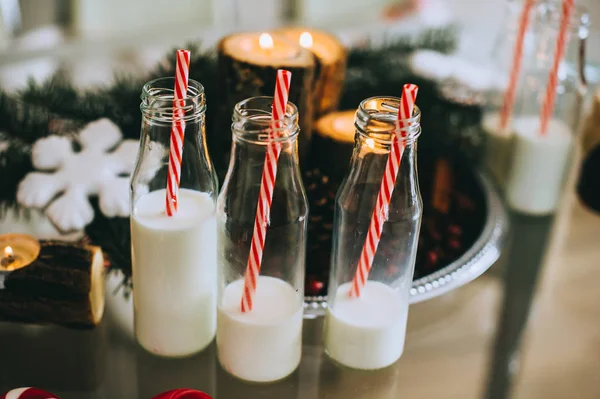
<point>265,41</point>
<point>8,251</point>
<point>306,40</point>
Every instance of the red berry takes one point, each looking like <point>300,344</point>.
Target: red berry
<point>455,230</point>
<point>431,259</point>
<point>314,286</point>
<point>435,235</point>
<point>454,244</point>
<point>391,271</point>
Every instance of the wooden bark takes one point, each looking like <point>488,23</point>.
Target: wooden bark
<point>63,286</point>
<point>242,76</point>
<point>332,146</point>
<point>330,72</point>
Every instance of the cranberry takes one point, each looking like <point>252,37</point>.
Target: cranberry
<point>435,235</point>
<point>431,259</point>
<point>391,271</point>
<point>454,244</point>
<point>455,230</point>
<point>464,202</point>
<point>314,286</point>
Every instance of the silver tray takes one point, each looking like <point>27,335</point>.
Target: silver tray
<point>472,264</point>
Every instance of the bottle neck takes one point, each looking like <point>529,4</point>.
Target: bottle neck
<point>159,111</point>
<point>377,123</point>
<point>159,108</point>
<point>547,26</point>
<point>253,126</point>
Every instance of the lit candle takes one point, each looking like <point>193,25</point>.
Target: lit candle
<point>333,144</point>
<point>248,64</point>
<point>331,65</point>
<point>18,250</point>
<point>263,48</point>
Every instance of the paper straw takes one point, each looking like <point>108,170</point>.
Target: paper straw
<point>509,96</point>
<point>388,182</point>
<point>182,72</point>
<point>267,183</point>
<point>561,44</point>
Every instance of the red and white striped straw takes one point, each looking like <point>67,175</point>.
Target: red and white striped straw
<point>267,184</point>
<point>509,96</point>
<point>182,72</point>
<point>388,182</point>
<point>561,44</point>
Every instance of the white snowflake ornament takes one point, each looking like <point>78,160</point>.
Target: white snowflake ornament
<point>71,177</point>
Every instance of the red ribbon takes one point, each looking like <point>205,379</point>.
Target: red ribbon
<point>35,393</point>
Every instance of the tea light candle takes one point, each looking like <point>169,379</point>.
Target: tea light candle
<point>18,250</point>
<point>248,63</point>
<point>331,57</point>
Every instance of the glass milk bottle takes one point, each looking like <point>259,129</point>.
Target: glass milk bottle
<point>263,344</point>
<point>494,124</point>
<point>540,161</point>
<point>367,332</point>
<point>174,257</point>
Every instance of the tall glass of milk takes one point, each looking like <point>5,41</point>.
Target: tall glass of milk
<point>367,332</point>
<point>263,344</point>
<point>174,258</point>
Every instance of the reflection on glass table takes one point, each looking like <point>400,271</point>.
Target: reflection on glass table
<point>448,338</point>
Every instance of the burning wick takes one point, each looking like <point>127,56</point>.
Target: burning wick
<point>9,259</point>
<point>265,41</point>
<point>306,40</point>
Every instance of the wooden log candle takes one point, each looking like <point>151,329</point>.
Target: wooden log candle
<point>331,57</point>
<point>248,63</point>
<point>331,150</point>
<point>63,285</point>
<point>333,143</point>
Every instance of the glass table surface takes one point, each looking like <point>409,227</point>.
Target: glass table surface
<point>448,333</point>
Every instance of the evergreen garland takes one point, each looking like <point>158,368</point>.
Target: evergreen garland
<point>35,112</point>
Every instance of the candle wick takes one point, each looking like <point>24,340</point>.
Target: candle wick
<point>7,261</point>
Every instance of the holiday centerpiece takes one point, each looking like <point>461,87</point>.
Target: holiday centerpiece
<point>466,227</point>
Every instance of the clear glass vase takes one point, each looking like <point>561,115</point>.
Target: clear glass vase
<point>263,344</point>
<point>368,332</point>
<point>174,259</point>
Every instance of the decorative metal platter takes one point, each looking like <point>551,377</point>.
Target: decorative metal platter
<point>484,252</point>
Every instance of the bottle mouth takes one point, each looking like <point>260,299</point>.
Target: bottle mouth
<point>158,95</point>
<point>550,13</point>
<point>252,121</point>
<point>376,118</point>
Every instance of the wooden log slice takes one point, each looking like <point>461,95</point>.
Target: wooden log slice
<point>331,150</point>
<point>245,70</point>
<point>330,72</point>
<point>332,145</point>
<point>63,286</point>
